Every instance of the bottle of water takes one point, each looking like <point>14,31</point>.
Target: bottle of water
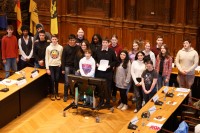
<point>84,97</point>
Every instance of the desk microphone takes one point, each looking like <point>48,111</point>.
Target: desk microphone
<point>169,94</point>
<point>157,102</point>
<point>4,89</point>
<point>22,73</point>
<point>35,69</point>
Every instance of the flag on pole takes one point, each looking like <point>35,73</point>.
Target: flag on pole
<point>34,16</point>
<point>54,21</point>
<point>19,17</point>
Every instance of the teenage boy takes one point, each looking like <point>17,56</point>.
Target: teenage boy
<point>26,48</point>
<point>10,51</point>
<point>69,52</point>
<point>40,27</point>
<point>187,60</point>
<point>53,65</point>
<point>106,53</point>
<point>40,50</point>
<point>159,41</point>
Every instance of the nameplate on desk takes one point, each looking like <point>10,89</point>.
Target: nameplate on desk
<point>155,126</point>
<point>155,98</point>
<point>21,82</point>
<point>134,120</point>
<point>34,74</point>
<point>152,109</point>
<point>165,90</point>
<point>182,89</point>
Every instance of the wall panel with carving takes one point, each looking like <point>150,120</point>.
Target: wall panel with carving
<point>130,19</point>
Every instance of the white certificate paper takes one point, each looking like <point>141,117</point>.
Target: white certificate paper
<point>103,65</point>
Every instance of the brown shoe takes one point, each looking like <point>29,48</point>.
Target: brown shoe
<point>53,97</point>
<point>57,97</point>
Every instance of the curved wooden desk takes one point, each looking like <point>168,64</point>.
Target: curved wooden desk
<point>165,111</point>
<point>20,98</point>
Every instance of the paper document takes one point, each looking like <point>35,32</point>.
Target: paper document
<point>8,82</point>
<point>197,68</point>
<point>103,65</point>
<point>182,89</point>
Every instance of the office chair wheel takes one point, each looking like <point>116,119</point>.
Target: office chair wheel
<point>97,119</point>
<point>112,109</point>
<point>64,114</point>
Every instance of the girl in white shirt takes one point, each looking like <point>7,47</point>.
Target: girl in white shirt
<point>137,69</point>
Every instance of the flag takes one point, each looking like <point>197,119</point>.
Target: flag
<point>54,20</point>
<point>19,17</point>
<point>34,16</point>
<point>3,21</point>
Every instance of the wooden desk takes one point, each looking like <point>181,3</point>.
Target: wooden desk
<point>19,98</point>
<point>195,87</point>
<point>165,111</point>
<point>175,71</point>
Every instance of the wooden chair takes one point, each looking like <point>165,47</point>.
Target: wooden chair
<point>190,109</point>
<point>191,113</point>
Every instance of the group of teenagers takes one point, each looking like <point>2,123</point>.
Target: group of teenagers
<point>145,70</point>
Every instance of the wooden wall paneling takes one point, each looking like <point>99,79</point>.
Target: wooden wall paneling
<point>90,33</point>
<point>132,10</point>
<point>178,42</point>
<point>152,10</point>
<point>110,17</point>
<point>167,11</point>
<point>118,9</point>
<point>180,12</point>
<point>173,10</point>
<point>130,35</point>
<point>44,13</point>
<point>195,12</point>
<point>149,36</point>
<point>189,12</point>
<point>107,8</point>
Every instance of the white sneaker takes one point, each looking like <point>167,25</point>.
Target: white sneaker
<point>120,106</point>
<point>125,107</point>
<point>135,111</point>
<point>143,103</point>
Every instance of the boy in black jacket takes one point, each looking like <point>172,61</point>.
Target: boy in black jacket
<point>106,53</point>
<point>68,55</point>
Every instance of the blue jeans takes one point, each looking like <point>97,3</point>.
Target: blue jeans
<point>161,81</point>
<point>68,70</point>
<point>11,63</point>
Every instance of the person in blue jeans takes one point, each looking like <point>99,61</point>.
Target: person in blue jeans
<point>149,81</point>
<point>68,54</point>
<point>10,51</point>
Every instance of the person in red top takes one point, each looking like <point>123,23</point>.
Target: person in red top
<point>117,48</point>
<point>10,51</point>
<point>114,45</point>
<point>156,49</point>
